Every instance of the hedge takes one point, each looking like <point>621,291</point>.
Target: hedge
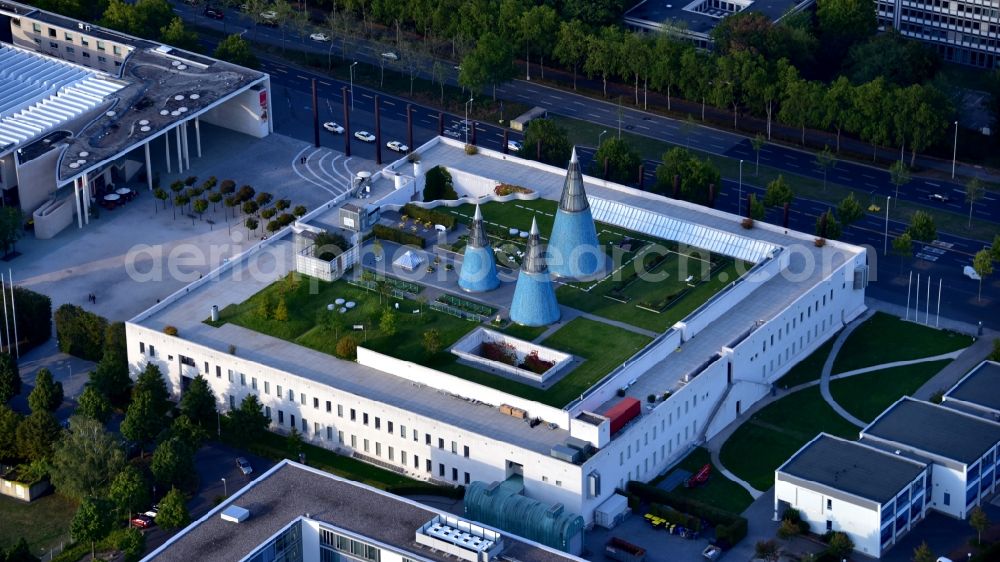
<point>395,235</point>
<point>33,318</point>
<point>446,220</point>
<point>80,333</point>
<point>730,528</point>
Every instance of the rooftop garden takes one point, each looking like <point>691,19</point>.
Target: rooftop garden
<point>678,281</point>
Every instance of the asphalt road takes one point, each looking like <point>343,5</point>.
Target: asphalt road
<point>736,146</point>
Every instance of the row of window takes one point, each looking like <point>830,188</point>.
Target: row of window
<point>67,36</point>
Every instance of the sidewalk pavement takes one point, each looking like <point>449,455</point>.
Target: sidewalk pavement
<point>824,378</point>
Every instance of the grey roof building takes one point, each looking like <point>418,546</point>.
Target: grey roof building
<point>978,392</point>
<point>294,512</point>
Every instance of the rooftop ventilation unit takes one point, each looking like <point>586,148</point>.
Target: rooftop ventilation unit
<point>235,514</point>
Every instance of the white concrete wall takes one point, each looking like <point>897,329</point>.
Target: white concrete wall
<point>860,523</point>
<point>310,540</point>
<point>242,113</point>
<point>739,290</point>
<point>949,481</point>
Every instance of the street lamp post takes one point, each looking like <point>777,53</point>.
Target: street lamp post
<point>600,136</point>
<point>352,84</point>
<point>885,245</point>
<point>954,152</point>
<point>739,199</point>
<point>225,488</point>
<point>467,104</point>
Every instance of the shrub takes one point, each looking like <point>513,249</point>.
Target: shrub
<point>788,529</point>
<point>80,333</point>
<point>34,317</point>
<point>438,184</point>
<point>347,348</point>
<point>190,180</point>
<point>730,527</point>
<point>651,398</point>
<point>508,189</point>
<point>620,392</point>
<point>330,245</point>
<point>840,545</point>
<point>532,362</point>
<point>471,149</point>
<point>747,223</point>
<point>937,397</point>
<point>399,236</point>
<point>819,242</point>
<point>170,330</point>
<point>446,220</point>
<point>227,186</point>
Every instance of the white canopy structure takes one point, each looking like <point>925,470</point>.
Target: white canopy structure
<point>409,261</point>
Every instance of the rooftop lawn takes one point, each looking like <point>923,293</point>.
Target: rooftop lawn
<point>44,523</point>
<point>592,298</point>
<point>602,346</point>
<point>884,338</point>
<point>810,368</point>
<point>772,435</point>
<point>310,324</point>
<point>719,491</point>
<point>866,396</point>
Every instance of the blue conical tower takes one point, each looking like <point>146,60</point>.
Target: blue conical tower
<point>479,267</point>
<point>573,251</point>
<point>534,301</point>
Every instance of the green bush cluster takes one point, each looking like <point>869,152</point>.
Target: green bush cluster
<point>34,318</point>
<point>80,333</point>
<point>676,517</point>
<point>438,184</point>
<point>330,245</point>
<point>730,528</point>
<point>447,220</point>
<point>395,235</point>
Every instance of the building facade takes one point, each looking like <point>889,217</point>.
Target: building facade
<point>962,31</point>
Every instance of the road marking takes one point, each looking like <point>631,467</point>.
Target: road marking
<point>869,177</point>
<point>387,102</point>
<point>594,115</point>
<point>366,96</point>
<point>325,83</point>
<point>302,77</point>
<point>281,70</point>
<point>869,184</point>
<point>932,183</point>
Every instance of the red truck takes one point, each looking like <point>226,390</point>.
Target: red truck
<point>624,551</point>
<point>623,412</point>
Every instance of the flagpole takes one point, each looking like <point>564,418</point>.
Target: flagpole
<point>13,313</point>
<point>6,319</point>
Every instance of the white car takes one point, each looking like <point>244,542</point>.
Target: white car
<point>321,37</point>
<point>970,272</point>
<point>333,127</point>
<point>390,55</point>
<point>269,15</point>
<point>397,146</point>
<point>514,146</point>
<point>364,136</point>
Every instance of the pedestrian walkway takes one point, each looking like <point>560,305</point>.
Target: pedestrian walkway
<point>967,359</point>
<point>754,492</point>
<point>824,378</point>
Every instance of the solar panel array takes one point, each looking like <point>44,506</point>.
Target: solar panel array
<point>38,93</point>
<point>661,226</point>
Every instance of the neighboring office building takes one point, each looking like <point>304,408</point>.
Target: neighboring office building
<point>81,107</point>
<point>978,392</point>
<point>429,425</point>
<point>294,513</point>
<point>966,32</point>
<point>853,488</point>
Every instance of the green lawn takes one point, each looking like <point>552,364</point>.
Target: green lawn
<point>44,523</point>
<point>306,309</point>
<point>526,333</point>
<point>866,396</point>
<point>603,347</point>
<point>773,434</point>
<point>810,368</point>
<point>884,338</point>
<point>719,491</point>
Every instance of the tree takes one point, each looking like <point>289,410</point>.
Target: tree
<point>47,394</point>
<point>37,435</point>
<point>900,61</point>
<point>827,226</point>
<point>778,192</point>
<point>250,420</point>
<point>173,462</point>
<point>173,513</point>
<point>799,104</point>
<point>281,310</point>
<point>840,545</point>
<point>111,377</point>
<point>843,23</point>
<point>150,380</point>
<point>387,324</point>
<point>922,227</point>
<point>973,192</point>
<point>825,160</point>
<point>623,160</point>
<point>757,142</point>
<point>85,460</point>
<point>979,521</point>
<point>849,210</point>
<point>755,208</point>
<point>902,246</point>
<point>695,175</point>
<point>995,248</point>
<point>347,348</point>
<point>93,404</point>
<point>899,174</point>
<point>432,342</point>
<point>604,55</point>
<point>555,145</point>
<point>767,550</point>
<point>838,104</point>
<point>129,491</point>
<point>198,402</point>
<point>20,552</point>
<point>983,264</point>
<point>92,521</point>
<point>490,62</point>
<point>871,114</point>
<point>143,421</point>
<point>10,378</point>
<point>251,224</point>
<point>923,553</point>
<point>9,420</point>
<point>571,46</point>
<point>236,49</point>
<point>175,35</point>
<point>539,26</point>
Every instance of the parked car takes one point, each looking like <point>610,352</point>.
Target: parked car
<point>244,466</point>
<point>390,55</point>
<point>321,37</point>
<point>142,521</point>
<point>397,146</point>
<point>269,18</point>
<point>333,127</point>
<point>364,136</point>
<point>514,146</point>
<point>939,197</point>
<point>214,13</point>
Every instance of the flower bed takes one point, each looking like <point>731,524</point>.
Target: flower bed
<point>510,356</point>
<point>510,189</point>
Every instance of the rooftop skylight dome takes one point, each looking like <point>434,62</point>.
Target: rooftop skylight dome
<point>573,250</point>
<point>479,269</point>
<point>534,301</point>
